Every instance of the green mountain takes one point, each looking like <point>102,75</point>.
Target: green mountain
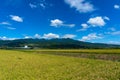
<point>53,43</point>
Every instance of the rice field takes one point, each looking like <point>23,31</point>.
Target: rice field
<point>103,54</point>
<point>41,65</point>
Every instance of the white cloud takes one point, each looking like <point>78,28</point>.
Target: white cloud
<point>37,36</point>
<point>6,38</point>
<point>16,18</point>
<point>42,5</point>
<point>114,42</point>
<point>84,27</point>
<point>91,36</point>
<point>112,29</point>
<point>69,25</point>
<point>106,18</point>
<point>97,21</point>
<point>27,37</point>
<point>69,36</point>
<point>11,28</point>
<point>5,23</point>
<point>81,5</point>
<point>59,23</point>
<point>50,36</point>
<point>115,33</point>
<point>81,30</point>
<point>116,6</point>
<point>32,5</point>
<point>56,23</point>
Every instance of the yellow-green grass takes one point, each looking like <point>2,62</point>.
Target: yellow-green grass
<point>101,51</point>
<point>16,65</point>
<point>104,54</point>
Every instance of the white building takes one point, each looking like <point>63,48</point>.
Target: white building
<point>26,47</point>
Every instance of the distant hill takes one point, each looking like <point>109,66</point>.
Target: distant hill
<point>53,44</point>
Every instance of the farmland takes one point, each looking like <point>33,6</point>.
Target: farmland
<point>59,65</point>
<point>104,54</point>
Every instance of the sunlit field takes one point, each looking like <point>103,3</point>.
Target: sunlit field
<point>46,65</point>
<point>104,54</point>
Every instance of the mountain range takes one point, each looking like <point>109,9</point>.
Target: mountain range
<point>54,44</point>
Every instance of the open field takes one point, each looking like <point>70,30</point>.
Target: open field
<point>104,54</point>
<point>30,65</point>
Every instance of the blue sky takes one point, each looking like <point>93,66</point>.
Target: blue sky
<point>84,20</point>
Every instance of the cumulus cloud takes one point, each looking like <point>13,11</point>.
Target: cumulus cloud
<point>69,36</point>
<point>16,18</point>
<point>59,23</point>
<point>56,23</point>
<point>91,36</point>
<point>37,36</point>
<point>116,6</point>
<point>50,36</point>
<point>96,21</point>
<point>81,5</point>
<point>84,27</point>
